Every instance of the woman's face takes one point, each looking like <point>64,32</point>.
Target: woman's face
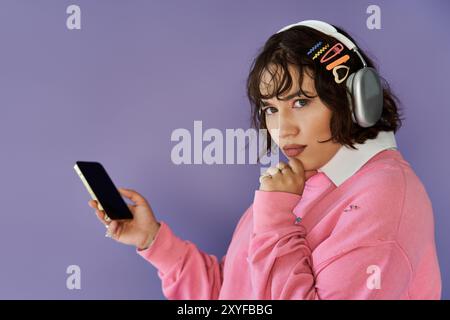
<point>300,120</point>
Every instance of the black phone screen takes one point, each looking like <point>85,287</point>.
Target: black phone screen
<point>105,190</point>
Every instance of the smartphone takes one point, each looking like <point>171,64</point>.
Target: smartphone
<point>102,189</point>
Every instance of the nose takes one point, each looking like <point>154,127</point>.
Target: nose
<point>288,126</point>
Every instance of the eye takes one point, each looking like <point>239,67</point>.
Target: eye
<point>269,110</point>
<point>303,102</point>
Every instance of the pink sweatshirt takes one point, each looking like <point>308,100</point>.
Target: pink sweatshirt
<point>360,230</point>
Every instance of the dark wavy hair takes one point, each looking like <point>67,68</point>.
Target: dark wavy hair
<point>290,47</point>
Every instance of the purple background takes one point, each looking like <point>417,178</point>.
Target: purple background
<point>137,70</point>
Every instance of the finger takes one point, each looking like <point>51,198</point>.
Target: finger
<point>297,166</point>
<point>101,216</point>
<point>264,177</point>
<point>118,231</point>
<point>93,204</point>
<point>132,208</point>
<point>310,173</point>
<point>112,230</point>
<point>133,196</point>
<point>285,168</point>
<point>281,165</point>
<point>115,229</point>
<point>273,170</point>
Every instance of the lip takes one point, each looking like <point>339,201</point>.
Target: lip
<point>293,150</point>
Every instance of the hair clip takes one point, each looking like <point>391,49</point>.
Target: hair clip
<point>335,50</point>
<point>325,47</point>
<point>337,62</point>
<point>338,79</point>
<point>332,53</point>
<point>317,45</point>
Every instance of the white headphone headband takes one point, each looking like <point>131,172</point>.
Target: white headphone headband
<point>364,88</point>
<point>325,28</point>
<point>329,30</point>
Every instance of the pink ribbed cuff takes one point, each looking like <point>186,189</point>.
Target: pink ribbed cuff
<point>273,209</point>
<point>166,249</point>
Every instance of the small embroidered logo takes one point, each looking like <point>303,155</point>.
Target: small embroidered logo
<point>351,207</point>
<point>298,220</point>
<point>374,280</point>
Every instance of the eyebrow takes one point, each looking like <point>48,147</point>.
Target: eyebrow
<point>299,93</point>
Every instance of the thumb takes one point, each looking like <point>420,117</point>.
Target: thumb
<point>132,208</point>
<point>134,196</point>
<point>310,173</point>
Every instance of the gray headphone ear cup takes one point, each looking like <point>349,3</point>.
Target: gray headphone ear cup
<point>349,85</point>
<point>367,96</point>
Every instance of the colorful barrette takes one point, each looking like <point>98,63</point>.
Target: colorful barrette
<point>335,65</point>
<point>317,45</point>
<point>325,47</point>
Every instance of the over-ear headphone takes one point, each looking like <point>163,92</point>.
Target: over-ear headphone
<point>365,93</point>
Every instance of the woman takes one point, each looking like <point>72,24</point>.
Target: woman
<point>345,218</point>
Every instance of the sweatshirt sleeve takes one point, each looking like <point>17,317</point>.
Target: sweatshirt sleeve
<point>185,271</point>
<point>281,260</point>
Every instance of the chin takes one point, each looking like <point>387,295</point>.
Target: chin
<point>307,165</point>
<point>302,158</point>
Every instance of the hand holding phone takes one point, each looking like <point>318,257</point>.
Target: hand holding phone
<point>131,224</point>
<point>102,189</point>
<point>140,231</point>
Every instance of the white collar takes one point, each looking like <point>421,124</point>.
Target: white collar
<point>347,161</point>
